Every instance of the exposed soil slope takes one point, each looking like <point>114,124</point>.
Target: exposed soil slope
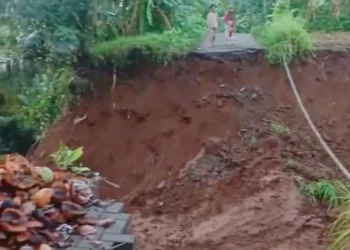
<point>200,165</point>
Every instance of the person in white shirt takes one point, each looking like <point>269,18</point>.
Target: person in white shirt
<point>212,21</point>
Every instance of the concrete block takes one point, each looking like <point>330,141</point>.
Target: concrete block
<point>75,239</point>
<point>75,248</point>
<point>100,232</point>
<point>119,227</point>
<point>119,216</point>
<point>117,207</point>
<point>94,212</point>
<point>115,235</point>
<point>124,242</point>
<point>118,238</point>
<point>85,245</point>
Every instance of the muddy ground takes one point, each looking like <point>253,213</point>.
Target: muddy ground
<point>208,153</point>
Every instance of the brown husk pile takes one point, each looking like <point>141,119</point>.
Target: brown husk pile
<point>31,210</point>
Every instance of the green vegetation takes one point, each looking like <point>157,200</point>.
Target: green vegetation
<point>62,31</point>
<point>66,158</point>
<point>323,190</point>
<point>15,136</point>
<point>336,195</point>
<point>340,232</point>
<point>284,36</point>
<point>159,47</point>
<point>320,15</point>
<point>44,100</point>
<point>54,35</point>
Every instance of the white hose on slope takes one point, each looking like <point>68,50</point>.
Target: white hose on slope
<point>312,125</point>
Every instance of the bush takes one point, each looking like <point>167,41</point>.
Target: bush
<point>329,24</point>
<point>5,33</point>
<point>285,36</point>
<point>48,28</point>
<point>14,137</point>
<point>44,101</point>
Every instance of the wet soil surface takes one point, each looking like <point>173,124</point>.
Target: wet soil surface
<point>208,153</point>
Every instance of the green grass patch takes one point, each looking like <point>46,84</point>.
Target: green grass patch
<point>324,191</point>
<point>160,47</point>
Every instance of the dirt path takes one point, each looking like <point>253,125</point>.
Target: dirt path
<point>201,152</point>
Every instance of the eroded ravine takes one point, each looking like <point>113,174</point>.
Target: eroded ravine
<point>199,166</point>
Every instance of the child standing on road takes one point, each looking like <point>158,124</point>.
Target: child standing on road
<point>229,20</point>
<point>212,20</point>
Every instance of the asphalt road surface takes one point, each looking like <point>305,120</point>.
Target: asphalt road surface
<point>241,42</point>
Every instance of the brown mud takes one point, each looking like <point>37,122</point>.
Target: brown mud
<point>201,155</point>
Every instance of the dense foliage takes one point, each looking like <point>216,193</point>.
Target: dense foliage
<point>320,15</point>
<point>45,99</point>
<point>54,34</point>
<point>59,31</point>
<point>63,30</point>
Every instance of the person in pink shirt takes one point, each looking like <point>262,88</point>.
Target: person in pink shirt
<point>229,20</point>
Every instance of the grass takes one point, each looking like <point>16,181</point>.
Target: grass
<point>323,190</point>
<point>340,229</point>
<point>336,195</point>
<point>160,47</point>
<point>284,36</point>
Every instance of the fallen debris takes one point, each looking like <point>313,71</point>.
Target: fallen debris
<point>41,208</point>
